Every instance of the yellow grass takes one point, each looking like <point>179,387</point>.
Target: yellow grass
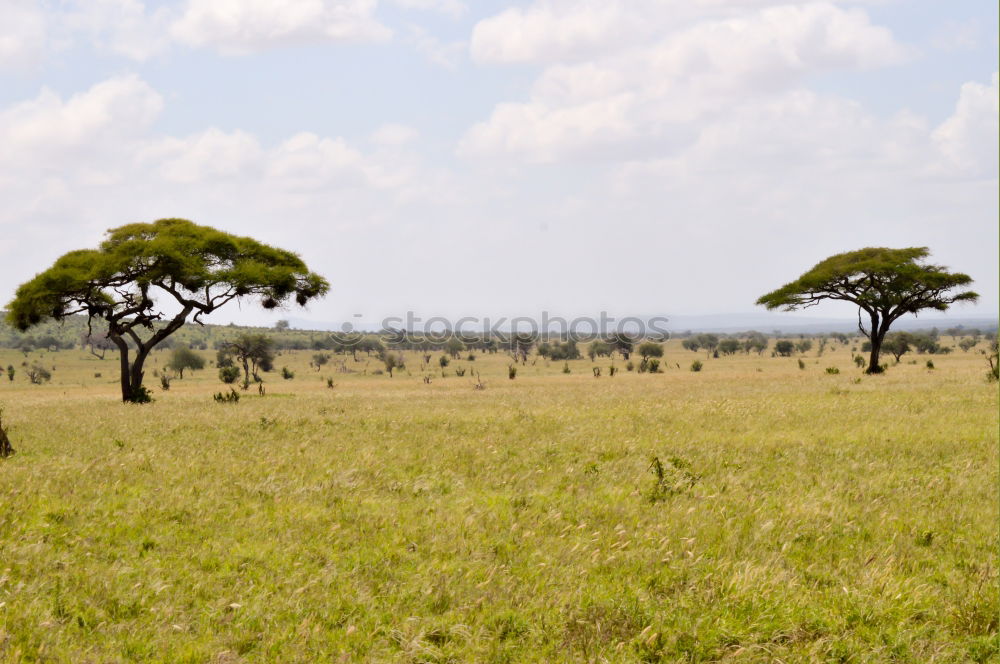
<point>802,516</point>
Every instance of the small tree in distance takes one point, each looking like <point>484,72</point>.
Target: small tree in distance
<point>182,358</point>
<point>885,284</point>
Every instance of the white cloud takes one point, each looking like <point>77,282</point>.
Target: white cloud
<point>551,31</point>
<point>636,96</point>
<point>450,7</point>
<point>36,132</point>
<point>235,27</point>
<point>205,156</point>
<point>22,34</point>
<point>969,138</point>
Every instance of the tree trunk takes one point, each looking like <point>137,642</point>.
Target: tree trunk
<point>123,360</point>
<point>877,336</point>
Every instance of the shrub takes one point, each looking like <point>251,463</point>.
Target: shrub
<point>696,365</point>
<point>654,366</point>
<point>629,366</point>
<point>38,374</point>
<point>930,364</point>
<point>859,361</point>
<point>232,397</point>
<point>444,361</point>
<point>565,368</point>
<point>164,382</point>
<point>650,349</point>
<point>329,383</point>
<point>832,370</point>
<point>287,373</point>
<point>229,374</point>
<point>10,372</point>
<point>784,348</point>
<point>511,371</point>
<point>460,372</point>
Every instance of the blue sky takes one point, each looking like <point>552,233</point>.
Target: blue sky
<point>459,158</point>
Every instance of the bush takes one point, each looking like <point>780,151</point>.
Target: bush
<point>565,368</point>
<point>511,371</point>
<point>444,361</point>
<point>696,365</point>
<point>930,364</point>
<point>784,348</point>
<point>654,366</point>
<point>832,370</point>
<point>649,349</point>
<point>232,397</point>
<point>229,374</point>
<point>629,366</point>
<point>287,373</point>
<point>802,365</point>
<point>164,382</point>
<point>38,374</point>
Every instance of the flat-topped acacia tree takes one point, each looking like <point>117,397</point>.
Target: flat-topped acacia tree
<point>140,267</point>
<point>884,283</point>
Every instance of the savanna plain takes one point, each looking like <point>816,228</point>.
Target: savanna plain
<point>753,511</point>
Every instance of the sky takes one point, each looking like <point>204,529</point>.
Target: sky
<point>458,158</point>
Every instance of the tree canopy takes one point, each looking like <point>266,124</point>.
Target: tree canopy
<point>125,281</point>
<point>884,283</point>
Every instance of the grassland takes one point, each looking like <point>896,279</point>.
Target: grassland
<point>800,516</point>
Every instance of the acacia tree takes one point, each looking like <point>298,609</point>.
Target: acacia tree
<point>254,351</point>
<point>885,284</point>
<point>146,280</point>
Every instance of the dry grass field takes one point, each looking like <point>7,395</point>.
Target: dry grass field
<point>791,515</point>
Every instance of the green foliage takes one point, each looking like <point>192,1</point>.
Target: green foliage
<point>832,370</point>
<point>565,368</point>
<point>164,382</point>
<point>10,372</point>
<point>729,346</point>
<point>182,358</point>
<point>876,279</point>
<point>784,348</point>
<point>803,346</point>
<point>755,342</point>
<point>511,371</point>
<point>650,349</point>
<point>255,352</point>
<point>444,361</point>
<point>802,365</point>
<point>287,373</point>
<point>558,350</point>
<point>229,374</point>
<point>696,366</point>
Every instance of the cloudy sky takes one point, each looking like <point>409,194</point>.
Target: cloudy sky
<point>469,158</point>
